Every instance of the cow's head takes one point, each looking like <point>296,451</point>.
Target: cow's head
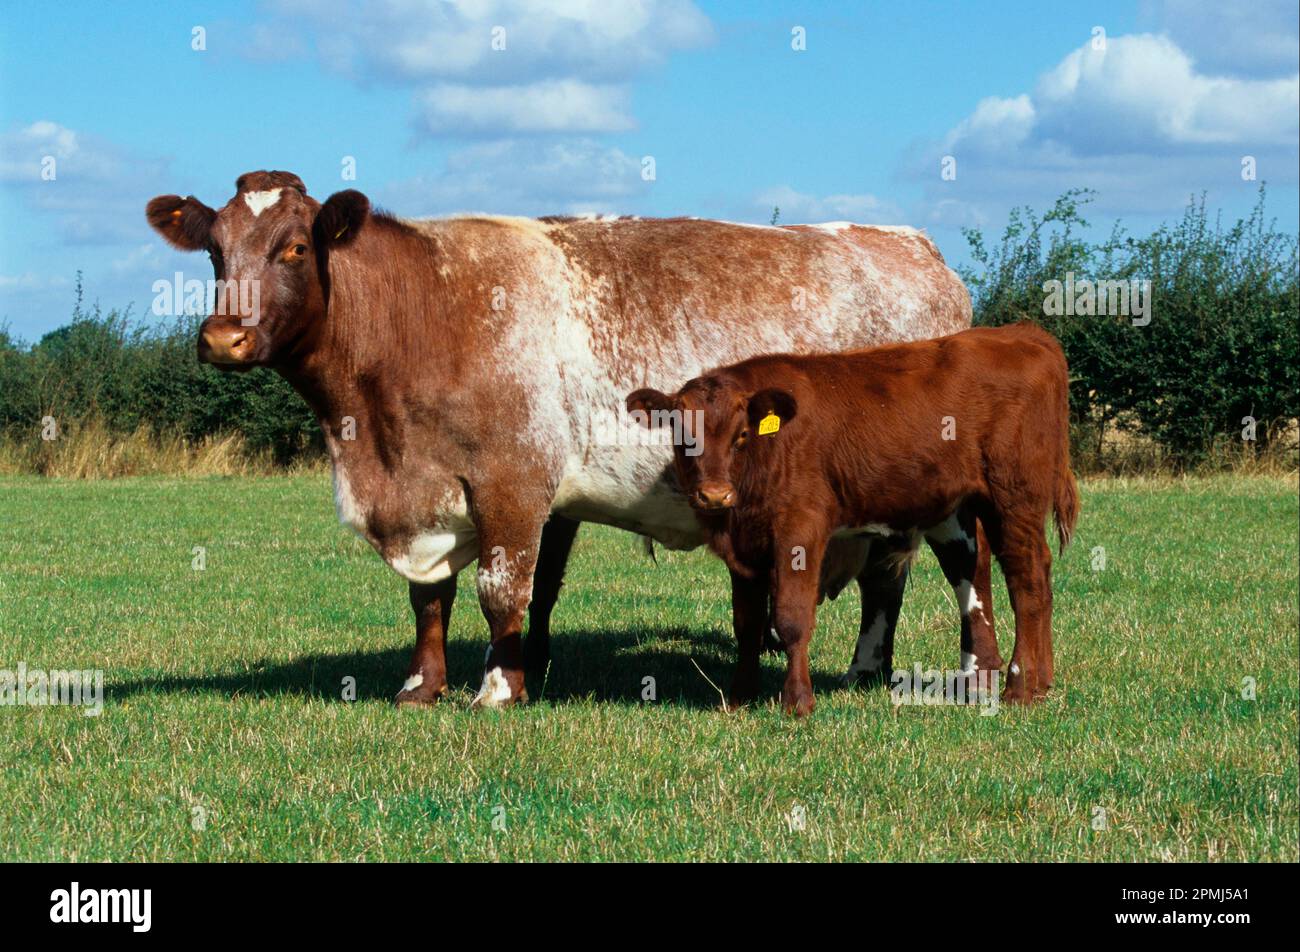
<point>269,247</point>
<point>718,420</point>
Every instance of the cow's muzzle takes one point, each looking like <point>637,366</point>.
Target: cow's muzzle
<point>227,344</point>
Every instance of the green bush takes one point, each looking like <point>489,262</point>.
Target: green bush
<point>115,369</point>
<point>1223,341</point>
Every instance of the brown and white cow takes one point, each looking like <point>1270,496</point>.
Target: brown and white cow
<point>469,373</point>
<point>913,439</point>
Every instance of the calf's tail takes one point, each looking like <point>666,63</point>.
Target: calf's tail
<point>1065,504</point>
<point>1065,508</point>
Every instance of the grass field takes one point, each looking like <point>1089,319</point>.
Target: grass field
<point>224,711</point>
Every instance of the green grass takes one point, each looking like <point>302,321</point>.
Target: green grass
<point>223,693</point>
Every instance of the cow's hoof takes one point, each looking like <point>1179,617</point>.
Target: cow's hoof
<point>863,679</point>
<point>798,703</point>
<point>500,690</point>
<point>416,692</point>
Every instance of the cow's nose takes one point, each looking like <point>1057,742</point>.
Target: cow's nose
<point>715,496</point>
<point>226,345</point>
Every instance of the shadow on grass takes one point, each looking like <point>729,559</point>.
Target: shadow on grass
<point>603,665</point>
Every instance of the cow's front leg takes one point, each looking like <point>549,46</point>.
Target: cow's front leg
<point>426,678</point>
<point>506,562</point>
<point>797,576</point>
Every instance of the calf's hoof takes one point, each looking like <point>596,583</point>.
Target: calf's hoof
<point>798,703</point>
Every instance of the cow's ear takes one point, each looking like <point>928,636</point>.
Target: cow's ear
<point>650,404</point>
<point>184,223</point>
<point>340,218</point>
<point>771,403</point>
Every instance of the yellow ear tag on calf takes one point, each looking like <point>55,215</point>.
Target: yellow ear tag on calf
<point>769,424</point>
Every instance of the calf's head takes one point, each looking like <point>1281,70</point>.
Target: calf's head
<point>269,247</point>
<point>718,423</point>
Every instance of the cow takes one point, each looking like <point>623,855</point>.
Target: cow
<point>468,374</point>
<point>907,440</point>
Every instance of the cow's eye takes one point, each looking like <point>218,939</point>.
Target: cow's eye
<point>740,440</point>
<point>295,251</point>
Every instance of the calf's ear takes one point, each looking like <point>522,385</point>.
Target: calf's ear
<point>771,402</point>
<point>647,402</point>
<point>184,223</point>
<point>340,218</point>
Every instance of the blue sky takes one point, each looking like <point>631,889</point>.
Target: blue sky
<point>855,126</point>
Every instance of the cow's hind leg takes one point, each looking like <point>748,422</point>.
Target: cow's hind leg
<point>426,678</point>
<point>956,544</point>
<point>557,539</point>
<point>881,583</point>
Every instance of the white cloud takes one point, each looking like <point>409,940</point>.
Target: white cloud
<point>563,105</point>
<point>477,66</point>
<point>1137,121</point>
<point>524,178</point>
<point>1259,39</point>
<point>94,195</point>
<point>797,207</point>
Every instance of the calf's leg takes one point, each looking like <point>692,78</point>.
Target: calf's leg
<point>749,612</point>
<point>1026,562</point>
<point>797,572</point>
<point>557,540</point>
<point>426,677</point>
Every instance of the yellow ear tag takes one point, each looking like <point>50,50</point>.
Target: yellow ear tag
<point>769,424</point>
<point>339,234</point>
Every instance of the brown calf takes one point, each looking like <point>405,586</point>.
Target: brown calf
<point>910,440</point>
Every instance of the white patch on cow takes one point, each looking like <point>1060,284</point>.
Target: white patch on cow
<point>864,655</point>
<point>967,599</point>
<point>948,531</point>
<point>1015,668</point>
<point>259,202</point>
<point>346,505</point>
<point>968,665</point>
<point>870,528</point>
<point>435,555</point>
<point>413,682</point>
<point>495,690</point>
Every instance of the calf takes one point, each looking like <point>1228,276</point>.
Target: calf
<point>910,440</point>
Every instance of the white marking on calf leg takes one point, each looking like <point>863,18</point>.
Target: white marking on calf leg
<point>867,654</point>
<point>413,682</point>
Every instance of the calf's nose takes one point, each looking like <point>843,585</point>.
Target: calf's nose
<point>715,496</point>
